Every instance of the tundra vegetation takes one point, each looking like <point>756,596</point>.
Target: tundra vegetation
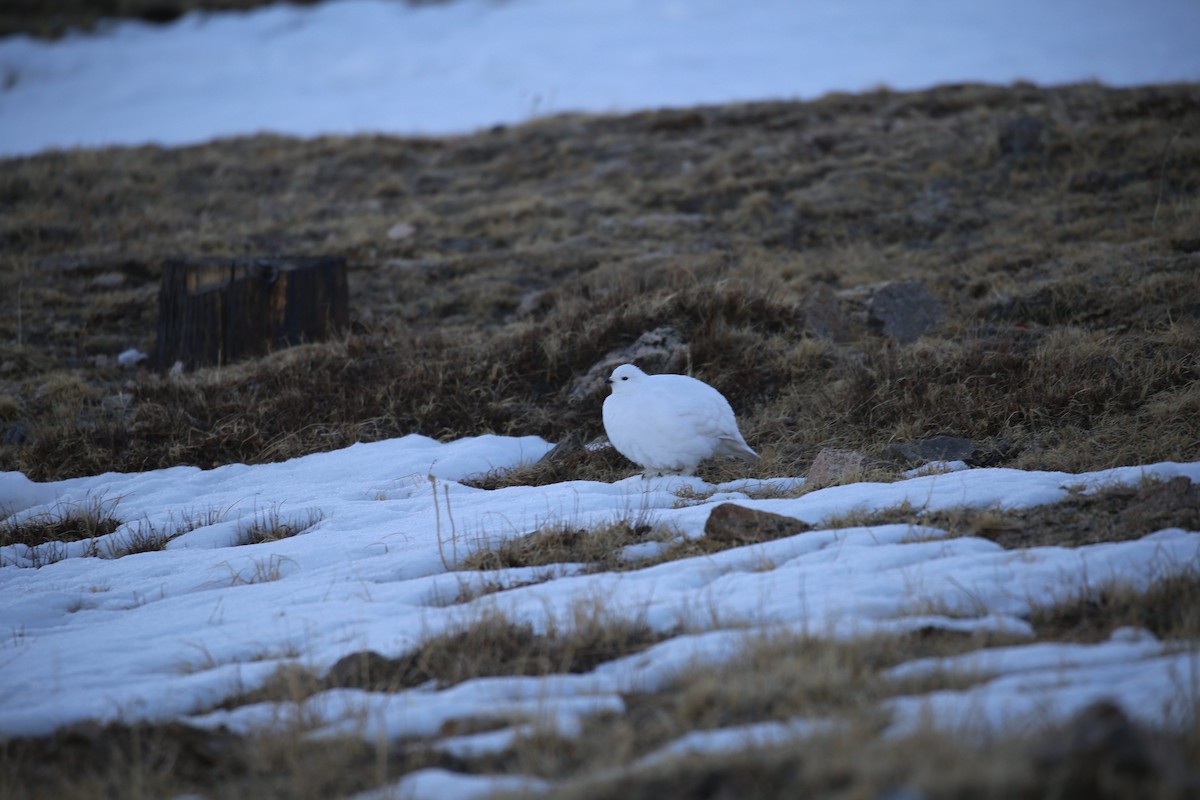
<point>1057,231</point>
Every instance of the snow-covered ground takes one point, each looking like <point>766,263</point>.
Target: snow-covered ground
<point>168,634</point>
<point>378,65</point>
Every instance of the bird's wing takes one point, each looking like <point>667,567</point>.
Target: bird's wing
<point>707,412</point>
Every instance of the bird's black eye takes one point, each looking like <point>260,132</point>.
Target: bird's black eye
<point>624,377</point>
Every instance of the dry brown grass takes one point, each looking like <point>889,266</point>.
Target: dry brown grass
<point>773,677</point>
<point>495,645</point>
<point>853,763</point>
<point>270,525</point>
<point>46,533</point>
<point>86,520</point>
<point>173,760</point>
<point>1067,263</point>
<point>789,677</point>
<point>1109,514</point>
<point>599,547</point>
<point>1169,608</point>
<point>1071,326</point>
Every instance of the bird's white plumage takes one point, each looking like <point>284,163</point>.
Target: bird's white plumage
<point>670,423</point>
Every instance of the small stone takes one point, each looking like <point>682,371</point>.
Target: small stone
<point>361,670</point>
<point>131,357</point>
<point>14,434</point>
<point>535,302</point>
<point>108,280</point>
<point>401,230</point>
<point>832,467</point>
<point>570,447</point>
<point>736,524</point>
<point>904,310</point>
<point>937,448</point>
<point>823,314</point>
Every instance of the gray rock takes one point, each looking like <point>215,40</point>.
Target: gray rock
<point>736,524</point>
<point>362,670</point>
<point>659,350</point>
<point>108,280</point>
<point>837,466</point>
<point>534,302</point>
<point>937,448</point>
<point>14,434</point>
<point>904,310</point>
<point>824,316</point>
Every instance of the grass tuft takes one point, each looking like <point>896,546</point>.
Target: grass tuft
<point>601,547</point>
<point>261,570</point>
<point>495,645</point>
<point>1169,607</point>
<point>1110,514</point>
<point>44,534</point>
<point>271,525</point>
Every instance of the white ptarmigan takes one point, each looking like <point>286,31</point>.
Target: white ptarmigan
<point>670,423</point>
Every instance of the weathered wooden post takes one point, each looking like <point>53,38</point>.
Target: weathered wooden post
<point>214,311</point>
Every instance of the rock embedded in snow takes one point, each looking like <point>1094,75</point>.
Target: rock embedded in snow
<point>670,423</point>
<point>729,522</point>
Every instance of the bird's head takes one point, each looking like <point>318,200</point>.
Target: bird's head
<point>624,376</point>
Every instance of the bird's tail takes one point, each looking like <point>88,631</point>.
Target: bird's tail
<point>736,448</point>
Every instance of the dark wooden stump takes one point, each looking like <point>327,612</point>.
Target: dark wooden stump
<point>215,311</point>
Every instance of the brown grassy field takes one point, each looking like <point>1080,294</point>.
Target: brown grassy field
<point>1058,227</point>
